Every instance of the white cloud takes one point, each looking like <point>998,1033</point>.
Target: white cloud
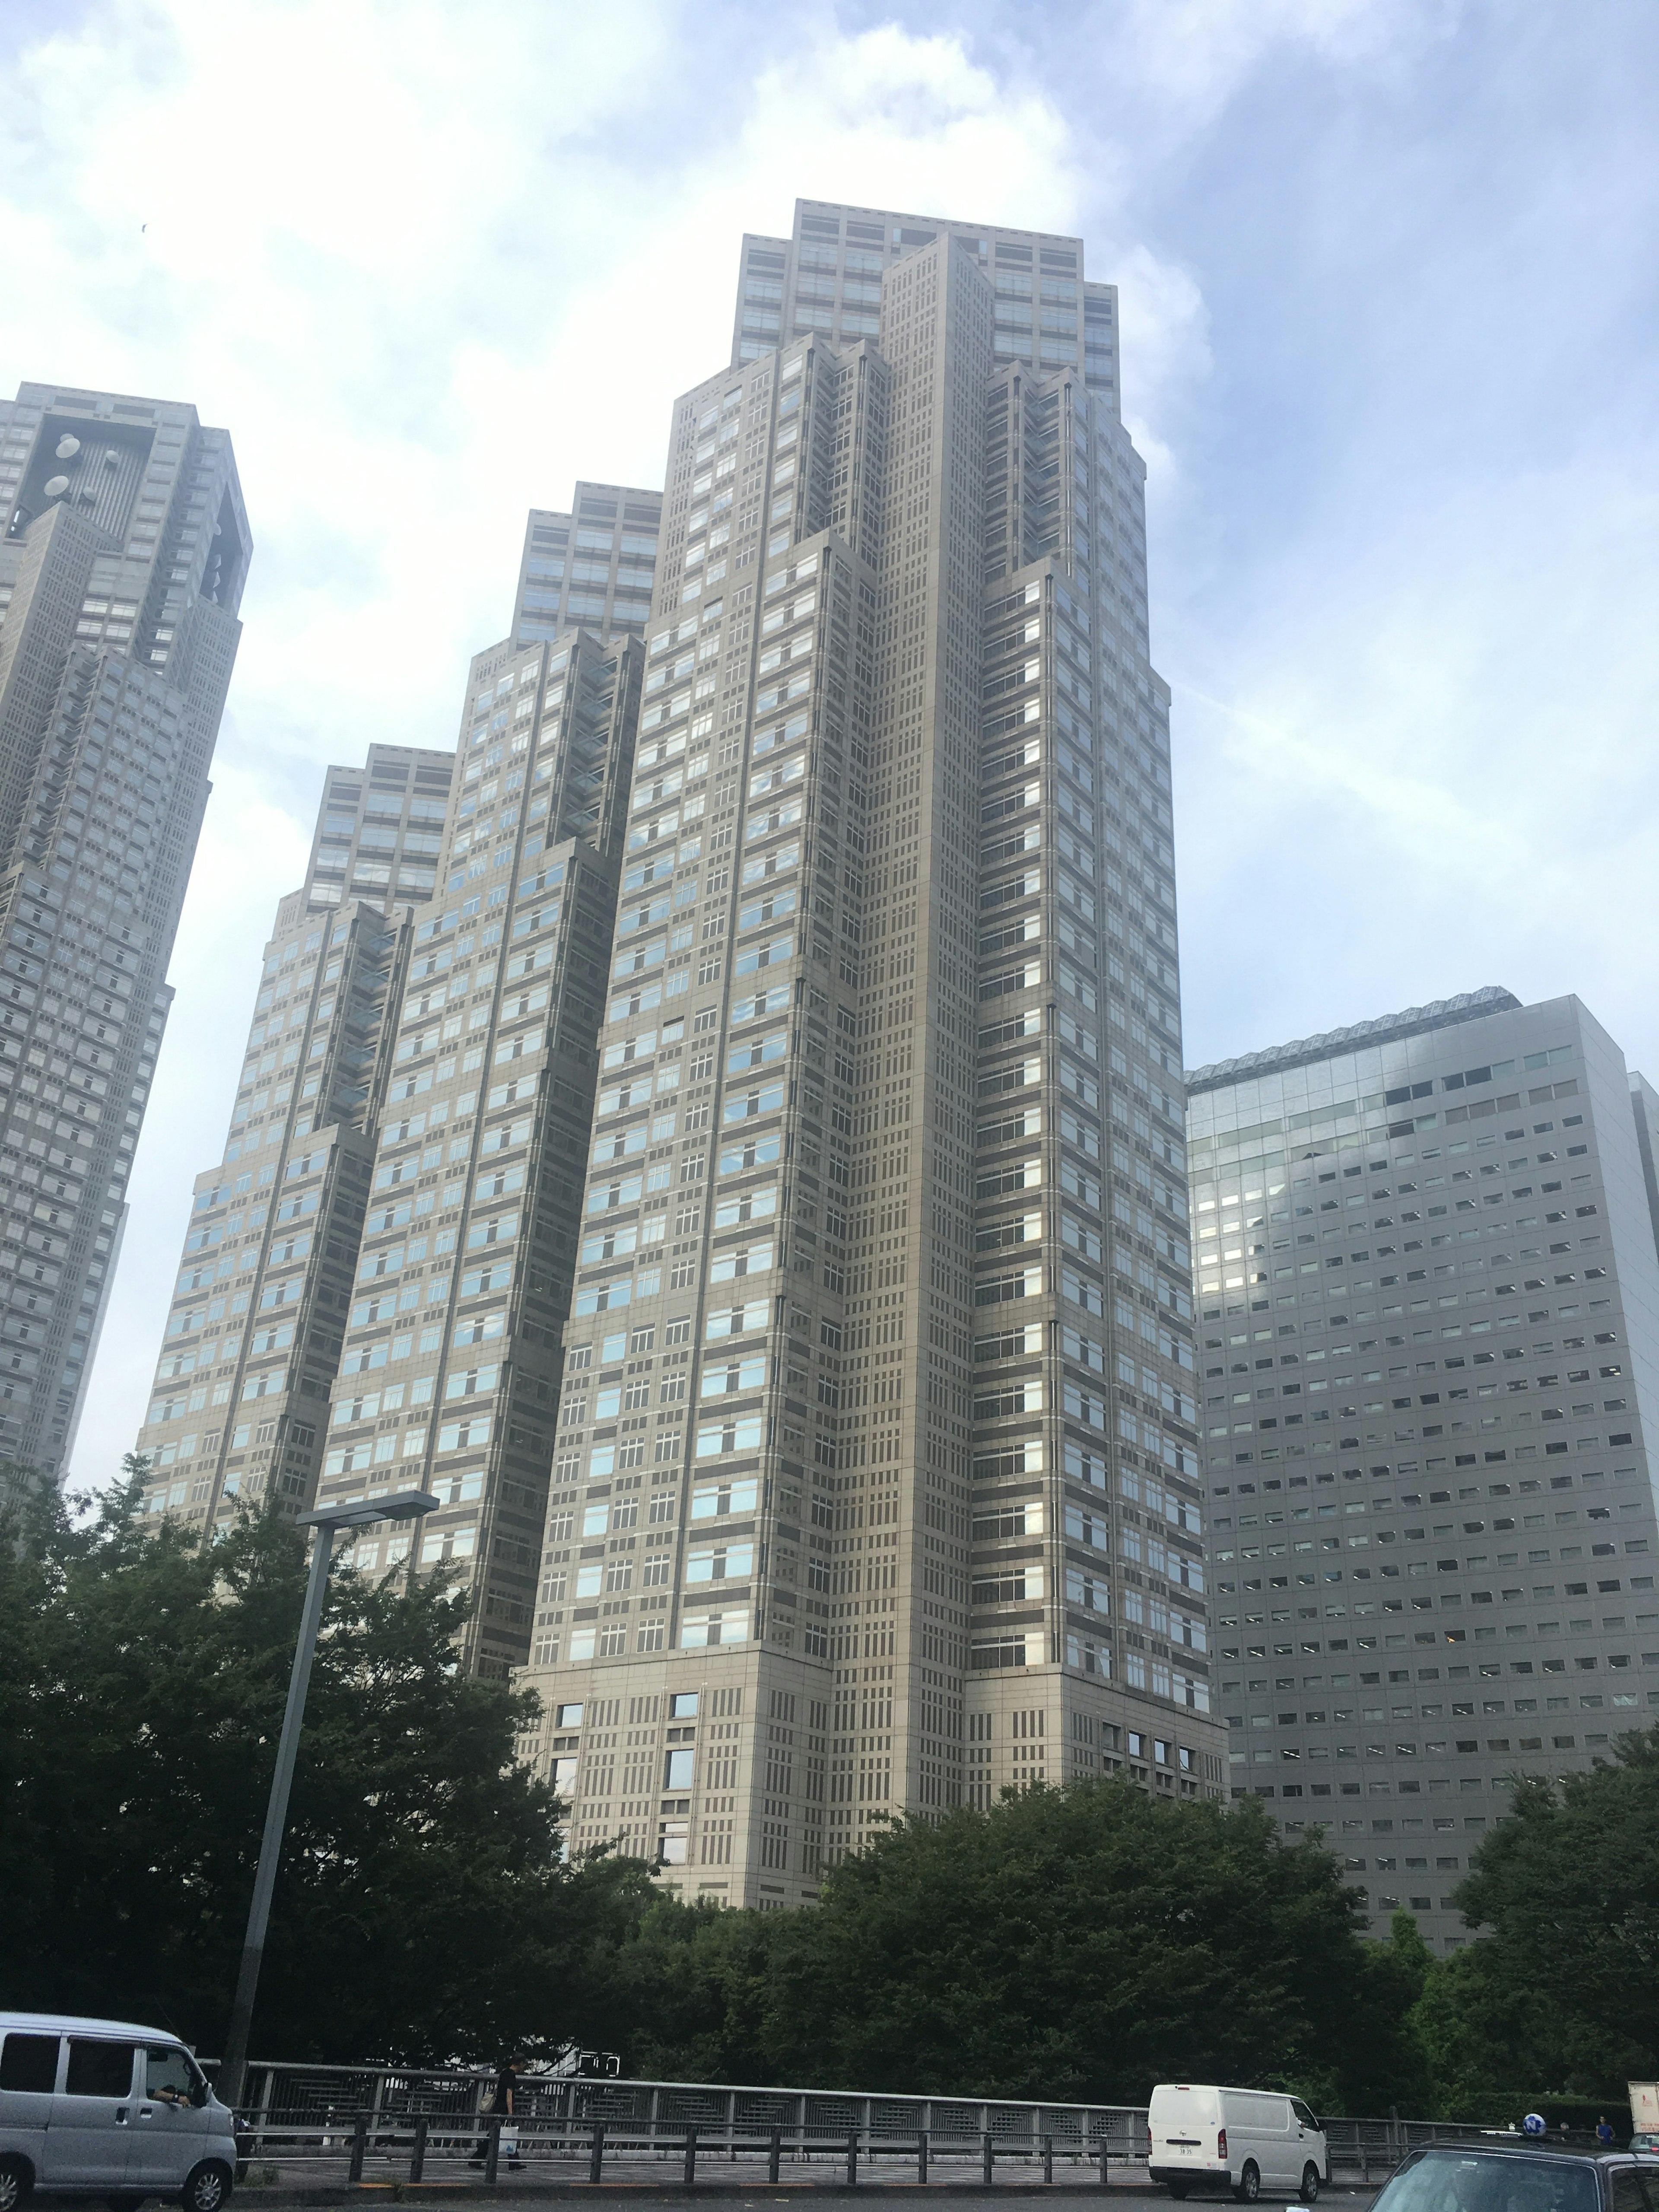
<point>1165,348</point>
<point>1412,765</point>
<point>1187,58</point>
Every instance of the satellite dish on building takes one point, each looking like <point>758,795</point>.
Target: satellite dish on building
<point>56,486</point>
<point>68,448</point>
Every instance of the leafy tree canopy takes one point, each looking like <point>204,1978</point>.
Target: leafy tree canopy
<point>1562,1991</point>
<point>1074,1943</point>
<point>422,1908</point>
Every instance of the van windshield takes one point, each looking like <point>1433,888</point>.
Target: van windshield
<point>1478,2181</point>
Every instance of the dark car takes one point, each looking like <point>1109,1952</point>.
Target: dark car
<point>1521,2179</point>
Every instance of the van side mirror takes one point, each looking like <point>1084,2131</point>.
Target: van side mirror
<point>199,2094</point>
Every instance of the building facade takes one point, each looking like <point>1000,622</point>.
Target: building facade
<point>253,1334</point>
<point>876,1483</point>
<point>1429,1315</point>
<point>123,556</point>
<point>417,1082</point>
<point>448,1376</point>
<point>592,566</point>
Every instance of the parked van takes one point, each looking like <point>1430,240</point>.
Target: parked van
<point>1246,2140</point>
<point>104,2108</point>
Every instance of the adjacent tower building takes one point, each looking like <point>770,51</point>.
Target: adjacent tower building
<point>254,1335</point>
<point>876,1478</point>
<point>1429,1310</point>
<point>473,1156</point>
<point>122,563</point>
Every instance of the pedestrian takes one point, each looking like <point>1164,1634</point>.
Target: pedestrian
<point>1604,2132</point>
<point>499,2099</point>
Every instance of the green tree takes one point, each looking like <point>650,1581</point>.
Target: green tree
<point>1561,1993</point>
<point>1080,1942</point>
<point>422,1908</point>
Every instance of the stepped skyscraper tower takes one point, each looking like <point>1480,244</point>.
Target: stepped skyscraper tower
<point>399,1181</point>
<point>875,1484</point>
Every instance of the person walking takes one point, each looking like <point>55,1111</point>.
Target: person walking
<point>499,2099</point>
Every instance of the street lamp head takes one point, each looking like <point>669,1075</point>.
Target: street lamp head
<point>364,1512</point>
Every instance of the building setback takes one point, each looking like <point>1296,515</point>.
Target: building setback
<point>876,1485</point>
<point>123,553</point>
<point>449,1374</point>
<point>254,1336</point>
<point>1429,1307</point>
<point>591,566</point>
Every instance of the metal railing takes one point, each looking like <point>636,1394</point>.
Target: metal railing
<point>378,2122</point>
<point>385,2123</point>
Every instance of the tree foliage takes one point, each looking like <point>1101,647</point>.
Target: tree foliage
<point>422,1908</point>
<point>1080,1942</point>
<point>1562,1991</point>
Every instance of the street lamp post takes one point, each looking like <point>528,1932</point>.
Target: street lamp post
<point>327,1520</point>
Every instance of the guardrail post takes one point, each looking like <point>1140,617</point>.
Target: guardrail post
<point>990,2152</point>
<point>921,2155</point>
<point>691,2156</point>
<point>417,2156</point>
<point>1048,2158</point>
<point>492,2145</point>
<point>1364,2162</point>
<point>359,2144</point>
<point>596,2151</point>
<point>853,2156</point>
<point>1104,2155</point>
<point>774,2155</point>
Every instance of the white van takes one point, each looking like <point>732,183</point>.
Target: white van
<point>1248,2140</point>
<point>102,2108</point>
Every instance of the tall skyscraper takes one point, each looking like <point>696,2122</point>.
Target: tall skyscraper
<point>346,1020</point>
<point>254,1335</point>
<point>449,1375</point>
<point>1428,1270</point>
<point>125,552</point>
<point>876,1483</point>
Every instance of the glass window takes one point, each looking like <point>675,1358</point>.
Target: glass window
<point>170,2076</point>
<point>1490,2181</point>
<point>98,2069</point>
<point>29,2063</point>
<point>676,1772</point>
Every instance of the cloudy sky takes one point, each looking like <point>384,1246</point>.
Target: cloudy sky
<point>1389,320</point>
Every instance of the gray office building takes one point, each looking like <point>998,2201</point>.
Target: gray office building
<point>1428,1283</point>
<point>124,547</point>
<point>875,1486</point>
